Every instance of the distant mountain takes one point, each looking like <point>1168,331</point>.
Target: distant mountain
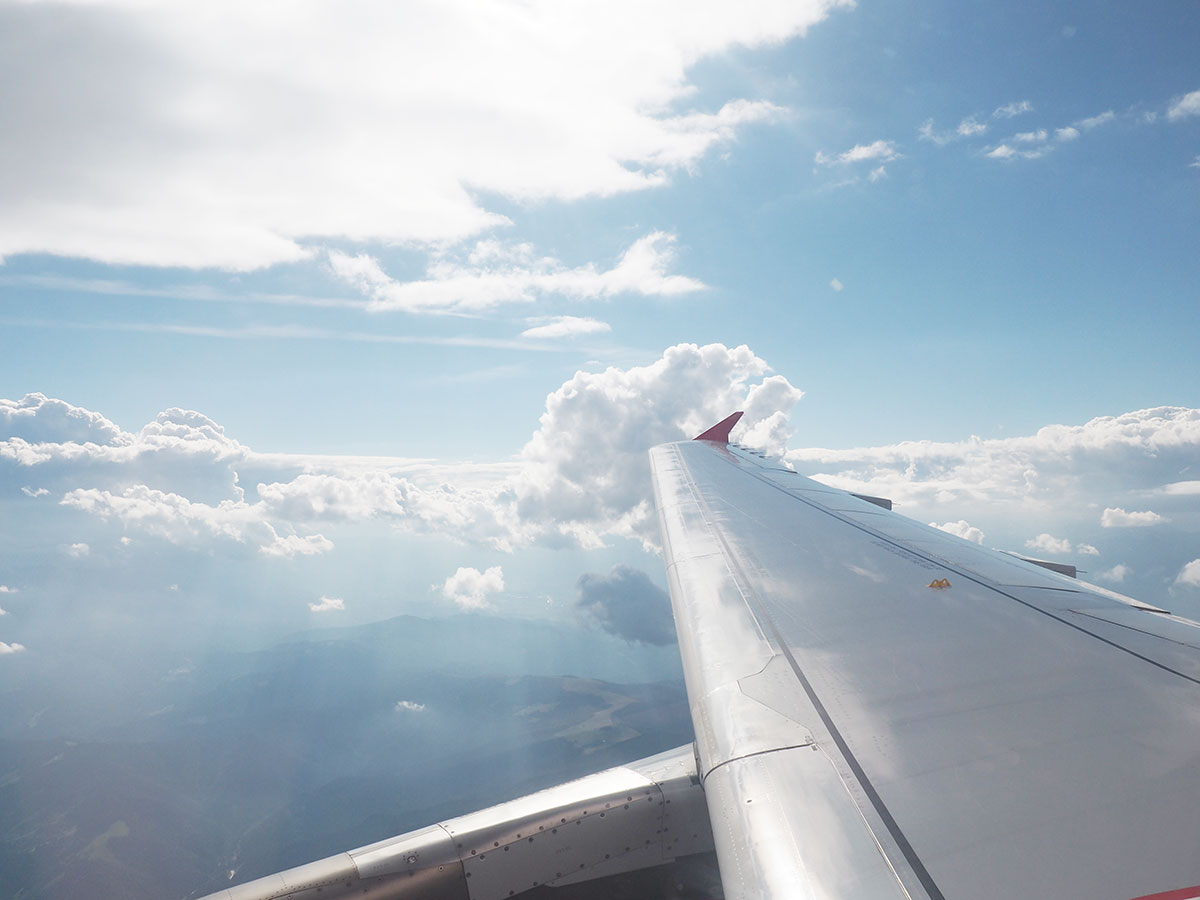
<point>255,761</point>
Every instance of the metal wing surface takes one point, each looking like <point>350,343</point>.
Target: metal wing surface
<point>885,710</point>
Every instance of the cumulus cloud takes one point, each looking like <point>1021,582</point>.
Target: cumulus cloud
<point>1047,543</point>
<point>1184,107</point>
<point>1015,108</point>
<point>625,602</point>
<point>8,649</point>
<point>1116,574</point>
<point>1115,517</point>
<point>5,589</point>
<point>327,604</point>
<point>877,151</point>
<point>36,419</point>
<point>582,476</point>
<point>1066,133</point>
<point>494,274</point>
<point>1086,550</point>
<point>31,492</point>
<point>962,529</point>
<point>836,285</point>
<point>409,706</point>
<point>585,472</point>
<point>469,588</point>
<point>1135,451</point>
<point>3,612</point>
<point>78,550</point>
<point>233,138</point>
<point>183,521</point>
<point>1189,574</point>
<point>564,326</point>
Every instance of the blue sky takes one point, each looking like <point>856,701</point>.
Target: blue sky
<point>402,284</point>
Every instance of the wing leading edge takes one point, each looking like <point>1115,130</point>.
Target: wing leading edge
<point>884,710</point>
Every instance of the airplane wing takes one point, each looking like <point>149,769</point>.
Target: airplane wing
<point>885,710</point>
<point>882,710</point>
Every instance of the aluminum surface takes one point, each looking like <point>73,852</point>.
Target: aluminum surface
<point>1013,733</point>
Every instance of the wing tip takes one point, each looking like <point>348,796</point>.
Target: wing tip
<point>719,433</point>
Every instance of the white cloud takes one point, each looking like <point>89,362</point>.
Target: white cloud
<point>5,589</point>
<point>1115,517</point>
<point>1047,543</point>
<point>36,418</point>
<point>409,706</point>
<point>1184,107</point>
<point>585,473</point>
<point>30,492</point>
<point>1086,550</point>
<point>327,604</point>
<point>185,522</point>
<point>78,550</point>
<point>1015,108</point>
<point>469,587</point>
<point>1006,151</point>
<point>877,174</point>
<point>583,477</point>
<point>551,327</point>
<point>1057,468</point>
<point>1093,121</point>
<point>1039,136</point>
<point>969,127</point>
<point>836,285</point>
<point>1189,574</point>
<point>8,649</point>
<point>218,134</point>
<point>881,150</point>
<point>1116,574</point>
<point>1195,164</point>
<point>926,133</point>
<point>495,274</point>
<point>1182,488</point>
<point>3,612</point>
<point>962,529</point>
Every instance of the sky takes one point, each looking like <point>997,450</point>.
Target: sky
<point>318,313</point>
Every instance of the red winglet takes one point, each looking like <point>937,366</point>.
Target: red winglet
<point>720,431</point>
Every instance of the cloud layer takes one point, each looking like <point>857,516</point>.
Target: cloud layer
<point>494,273</point>
<point>234,135</point>
<point>582,479</point>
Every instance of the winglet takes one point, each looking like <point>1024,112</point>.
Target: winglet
<point>720,431</point>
